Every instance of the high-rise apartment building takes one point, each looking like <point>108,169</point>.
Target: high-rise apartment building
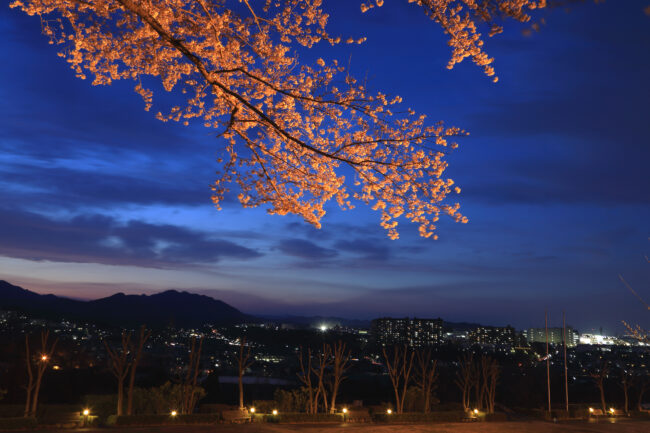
<point>410,332</point>
<point>538,335</point>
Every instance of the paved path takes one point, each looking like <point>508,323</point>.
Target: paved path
<point>615,426</point>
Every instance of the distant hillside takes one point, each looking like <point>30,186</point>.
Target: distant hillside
<point>171,307</point>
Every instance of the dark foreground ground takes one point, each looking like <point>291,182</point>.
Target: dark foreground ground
<point>616,426</point>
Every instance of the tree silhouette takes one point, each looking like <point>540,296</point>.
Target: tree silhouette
<point>599,377</point>
<point>465,378</point>
<point>144,336</point>
<point>42,361</point>
<point>399,365</point>
<point>119,364</point>
<point>427,375</point>
<point>340,360</point>
<point>244,361</point>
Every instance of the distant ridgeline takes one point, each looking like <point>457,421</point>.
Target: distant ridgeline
<point>171,307</point>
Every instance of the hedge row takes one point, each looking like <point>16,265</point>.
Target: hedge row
<point>448,416</point>
<point>17,423</point>
<point>299,417</point>
<point>143,420</point>
<point>496,417</point>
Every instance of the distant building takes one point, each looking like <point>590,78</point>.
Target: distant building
<point>538,335</point>
<point>493,336</point>
<point>410,332</point>
<point>601,340</point>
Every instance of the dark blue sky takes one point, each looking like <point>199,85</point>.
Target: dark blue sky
<point>96,196</point>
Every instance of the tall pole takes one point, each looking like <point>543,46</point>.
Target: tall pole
<point>566,368</point>
<point>548,365</point>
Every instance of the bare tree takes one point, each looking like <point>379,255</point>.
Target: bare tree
<point>119,366</point>
<point>34,386</point>
<point>341,358</point>
<point>189,387</point>
<point>45,357</point>
<point>478,384</point>
<point>144,336</point>
<point>490,373</point>
<point>30,378</point>
<point>464,378</point>
<point>244,361</point>
<point>642,384</point>
<point>305,377</point>
<point>599,377</point>
<point>324,359</point>
<point>427,375</point>
<point>399,367</point>
<point>625,385</point>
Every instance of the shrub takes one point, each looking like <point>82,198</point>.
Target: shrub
<point>264,406</point>
<point>309,417</point>
<point>447,416</point>
<point>156,419</point>
<point>290,401</point>
<point>17,423</point>
<point>101,406</point>
<point>496,417</point>
<point>11,410</point>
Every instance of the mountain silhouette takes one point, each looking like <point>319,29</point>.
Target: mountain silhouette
<point>171,307</point>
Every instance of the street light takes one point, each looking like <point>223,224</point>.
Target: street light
<point>251,410</point>
<point>475,411</point>
<point>275,412</point>
<point>345,410</point>
<point>43,357</point>
<point>591,410</point>
<point>86,412</point>
<point>388,411</point>
<point>611,409</point>
<point>174,413</point>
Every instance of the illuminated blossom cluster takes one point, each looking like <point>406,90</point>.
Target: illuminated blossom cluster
<point>460,20</point>
<point>294,136</point>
